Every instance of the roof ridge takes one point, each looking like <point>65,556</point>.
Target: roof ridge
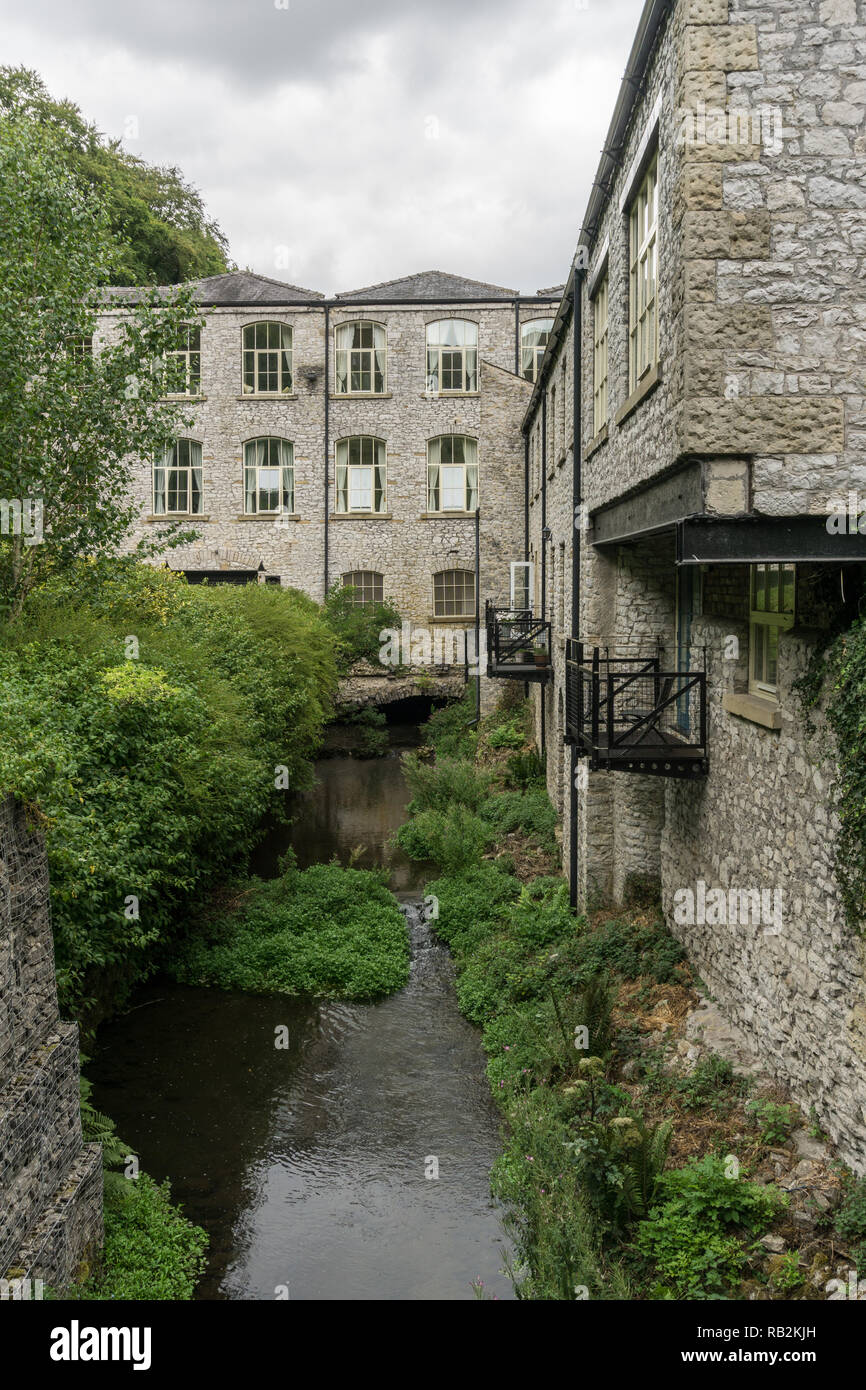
<point>421,275</point>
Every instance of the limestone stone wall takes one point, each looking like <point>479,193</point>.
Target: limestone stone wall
<point>764,819</point>
<point>50,1182</point>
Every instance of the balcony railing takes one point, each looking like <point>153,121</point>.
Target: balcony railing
<point>626,714</point>
<point>518,644</point>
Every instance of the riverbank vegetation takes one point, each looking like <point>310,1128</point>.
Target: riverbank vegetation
<point>151,1250</point>
<point>326,930</point>
<point>629,1169</point>
<point>150,724</point>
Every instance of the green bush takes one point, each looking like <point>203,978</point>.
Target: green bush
<point>525,770</point>
<point>693,1233</point>
<point>712,1081</point>
<point>632,949</point>
<point>447,782</point>
<point>528,811</point>
<point>454,839</point>
<point>472,904</point>
<point>450,730</point>
<point>151,773</point>
<point>151,1250</point>
<point>356,626</point>
<point>774,1121</point>
<point>620,1163</point>
<point>322,931</point>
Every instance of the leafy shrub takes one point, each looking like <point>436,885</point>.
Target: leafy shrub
<point>151,1250</point>
<point>620,1163</point>
<point>524,770</point>
<point>556,1236</point>
<point>454,839</point>
<point>690,1234</point>
<point>712,1081</point>
<point>529,811</point>
<point>773,1120</point>
<point>151,775</point>
<point>472,904</point>
<point>632,949</point>
<point>447,782</point>
<point>323,931</point>
<point>510,734</point>
<point>450,730</point>
<point>356,626</point>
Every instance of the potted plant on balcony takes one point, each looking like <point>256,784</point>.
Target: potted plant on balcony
<point>540,656</point>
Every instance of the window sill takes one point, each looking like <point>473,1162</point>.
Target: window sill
<point>361,516</point>
<point>596,443</point>
<point>648,384</point>
<point>756,708</point>
<point>272,517</point>
<point>360,395</point>
<point>179,516</point>
<point>447,516</point>
<point>457,620</point>
<point>268,396</point>
<point>450,395</point>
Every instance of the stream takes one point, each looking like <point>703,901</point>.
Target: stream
<point>312,1166</point>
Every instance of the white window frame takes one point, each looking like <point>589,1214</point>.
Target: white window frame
<point>467,468</point>
<point>643,277</point>
<point>372,360</point>
<point>345,487</point>
<point>190,357</point>
<point>526,585</point>
<point>251,358</point>
<point>765,623</point>
<point>191,451</point>
<point>467,350</point>
<point>377,586</point>
<point>600,354</point>
<point>532,353</point>
<point>438,604</point>
<point>285,450</point>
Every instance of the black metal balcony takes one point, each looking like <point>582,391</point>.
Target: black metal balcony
<point>628,715</point>
<point>518,645</point>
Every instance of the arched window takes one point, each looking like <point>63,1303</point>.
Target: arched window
<point>452,357</point>
<point>269,476</point>
<point>267,359</point>
<point>533,341</point>
<point>177,480</point>
<point>360,474</point>
<point>452,473</point>
<point>368,585</point>
<point>360,359</point>
<point>454,594</point>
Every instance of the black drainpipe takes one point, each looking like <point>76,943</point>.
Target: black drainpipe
<point>576,449</point>
<point>543,541</point>
<point>517,337</point>
<point>477,614</point>
<point>327,433</point>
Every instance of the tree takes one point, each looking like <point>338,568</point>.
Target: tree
<point>160,225</point>
<point>71,411</point>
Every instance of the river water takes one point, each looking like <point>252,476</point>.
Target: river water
<point>312,1167</point>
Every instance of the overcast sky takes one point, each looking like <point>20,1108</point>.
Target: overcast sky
<point>339,144</point>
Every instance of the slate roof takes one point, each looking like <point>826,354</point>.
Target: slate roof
<point>429,284</point>
<point>235,287</point>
